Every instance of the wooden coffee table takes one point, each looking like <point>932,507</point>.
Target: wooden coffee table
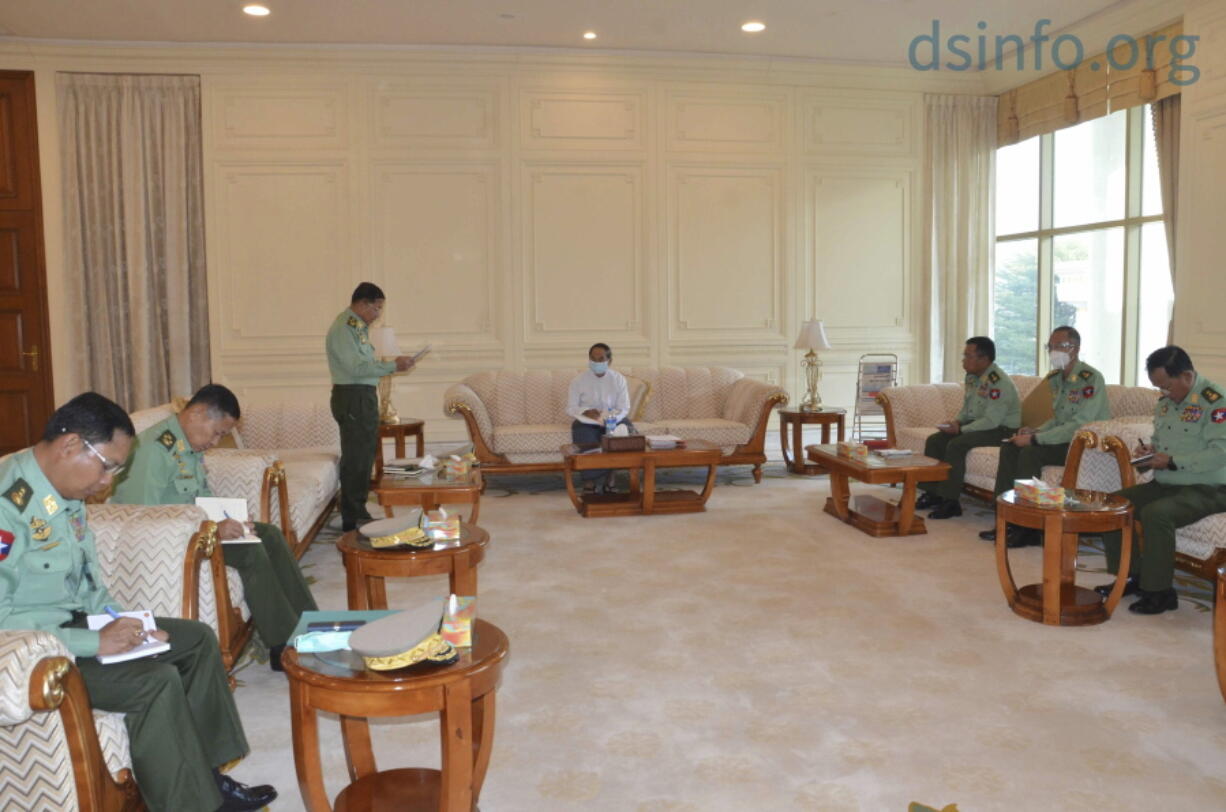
<point>366,567</point>
<point>399,432</point>
<point>462,694</point>
<point>874,516</point>
<point>797,420</point>
<point>428,491</point>
<point>645,499</point>
<point>1058,601</point>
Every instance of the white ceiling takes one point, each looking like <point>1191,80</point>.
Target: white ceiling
<point>867,31</point>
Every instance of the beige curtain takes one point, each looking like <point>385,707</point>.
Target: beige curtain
<point>134,233</point>
<point>959,160</point>
<point>1166,135</point>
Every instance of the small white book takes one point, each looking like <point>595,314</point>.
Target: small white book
<point>221,508</point>
<point>663,441</point>
<point>146,649</point>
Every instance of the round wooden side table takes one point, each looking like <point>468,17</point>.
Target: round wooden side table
<point>366,567</point>
<point>1058,601</point>
<point>461,693</point>
<point>798,419</point>
<point>399,432</point>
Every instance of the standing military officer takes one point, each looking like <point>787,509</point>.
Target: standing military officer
<point>1189,465</point>
<point>168,469</point>
<point>181,719</point>
<point>991,411</point>
<point>355,405</point>
<point>1078,396</point>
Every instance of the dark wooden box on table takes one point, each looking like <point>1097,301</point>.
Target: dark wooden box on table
<point>631,442</point>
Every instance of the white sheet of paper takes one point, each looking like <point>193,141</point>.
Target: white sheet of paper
<point>147,649</point>
<point>220,508</point>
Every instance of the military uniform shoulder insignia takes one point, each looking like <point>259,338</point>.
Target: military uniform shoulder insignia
<point>994,394</point>
<point>993,377</point>
<point>1086,374</point>
<point>167,439</point>
<point>1210,394</point>
<point>1088,392</point>
<point>19,494</point>
<point>39,529</point>
<point>6,543</point>
<point>1218,415</point>
<point>352,321</point>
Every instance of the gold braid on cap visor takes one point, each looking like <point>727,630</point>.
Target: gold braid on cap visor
<point>409,537</point>
<point>433,649</point>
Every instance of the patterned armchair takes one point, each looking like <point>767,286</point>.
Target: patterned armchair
<point>517,421</point>
<point>57,753</point>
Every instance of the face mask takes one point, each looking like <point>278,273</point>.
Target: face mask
<point>598,367</point>
<point>1059,359</point>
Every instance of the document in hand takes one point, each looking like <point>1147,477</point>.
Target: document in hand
<point>219,509</point>
<point>417,356</point>
<point>148,648</point>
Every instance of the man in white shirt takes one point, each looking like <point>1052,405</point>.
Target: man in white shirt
<point>597,395</point>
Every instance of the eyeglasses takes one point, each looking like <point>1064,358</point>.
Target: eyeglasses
<point>1063,345</point>
<point>108,466</point>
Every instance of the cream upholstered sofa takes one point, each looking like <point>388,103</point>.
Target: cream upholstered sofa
<point>912,413</point>
<point>285,463</point>
<point>517,421</point>
<point>57,753</point>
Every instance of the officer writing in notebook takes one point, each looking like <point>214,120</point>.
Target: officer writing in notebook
<point>180,715</point>
<point>167,468</point>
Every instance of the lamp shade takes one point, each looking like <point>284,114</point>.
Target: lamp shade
<point>812,336</point>
<point>384,340</point>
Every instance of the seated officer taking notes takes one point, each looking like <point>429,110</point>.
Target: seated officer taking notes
<point>598,398</point>
<point>168,469</point>
<point>181,719</point>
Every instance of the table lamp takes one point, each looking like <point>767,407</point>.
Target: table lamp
<point>812,338</point>
<point>387,348</point>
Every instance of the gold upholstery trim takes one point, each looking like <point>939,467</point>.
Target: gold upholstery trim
<point>53,682</point>
<point>206,541</point>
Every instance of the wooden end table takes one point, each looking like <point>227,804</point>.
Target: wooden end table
<point>430,490</point>
<point>798,419</point>
<point>366,567</point>
<point>1058,601</point>
<point>645,500</point>
<point>870,514</point>
<point>462,694</point>
<point>408,426</point>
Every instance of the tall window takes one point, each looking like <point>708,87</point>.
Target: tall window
<point>1080,241</point>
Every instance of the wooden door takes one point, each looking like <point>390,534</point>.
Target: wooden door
<point>26,400</point>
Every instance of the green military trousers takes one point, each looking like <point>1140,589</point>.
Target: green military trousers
<point>180,716</point>
<point>953,448</point>
<point>1161,510</point>
<point>1025,462</point>
<point>273,586</point>
<point>355,407</point>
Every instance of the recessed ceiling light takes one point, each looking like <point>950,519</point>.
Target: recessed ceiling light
<point>256,10</point>
<point>589,35</point>
<point>753,27</point>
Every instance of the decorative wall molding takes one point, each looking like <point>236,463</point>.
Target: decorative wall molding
<point>280,119</point>
<point>427,114</point>
<point>592,120</point>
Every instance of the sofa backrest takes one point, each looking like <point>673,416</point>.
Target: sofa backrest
<point>302,424</point>
<point>1131,401</point>
<point>539,397</point>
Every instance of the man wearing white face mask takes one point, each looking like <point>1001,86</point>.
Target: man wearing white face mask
<point>596,395</point>
<point>1078,396</point>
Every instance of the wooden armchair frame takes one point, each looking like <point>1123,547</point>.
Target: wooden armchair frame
<point>1219,630</point>
<point>57,686</point>
<point>233,633</point>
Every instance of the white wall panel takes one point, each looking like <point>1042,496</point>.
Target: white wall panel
<point>713,122</point>
<point>433,115</point>
<point>594,120</point>
<point>280,118</point>
<point>583,259</point>
<point>725,253</point>
<point>436,248</point>
<point>884,125</point>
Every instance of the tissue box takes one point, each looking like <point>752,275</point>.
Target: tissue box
<point>631,442</point>
<point>441,527</point>
<point>1039,492</point>
<point>456,467</point>
<point>457,628</point>
<point>855,451</point>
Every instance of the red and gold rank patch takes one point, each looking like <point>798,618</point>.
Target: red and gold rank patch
<point>994,394</point>
<point>6,544</point>
<point>1218,415</point>
<point>1088,392</point>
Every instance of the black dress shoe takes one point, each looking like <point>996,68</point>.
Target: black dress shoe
<point>236,797</point>
<point>274,657</point>
<point>1131,587</point>
<point>1023,537</point>
<point>927,500</point>
<point>1155,603</point>
<point>946,510</point>
<point>988,535</point>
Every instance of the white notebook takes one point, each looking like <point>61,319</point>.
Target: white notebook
<point>220,508</point>
<point>146,649</point>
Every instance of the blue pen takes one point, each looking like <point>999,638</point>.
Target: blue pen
<point>115,616</point>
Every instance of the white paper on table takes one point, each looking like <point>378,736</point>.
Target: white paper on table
<point>220,508</point>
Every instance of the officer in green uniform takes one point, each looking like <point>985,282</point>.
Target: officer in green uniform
<point>168,469</point>
<point>1078,396</point>
<point>991,411</point>
<point>181,718</point>
<point>355,406</point>
<point>1189,465</point>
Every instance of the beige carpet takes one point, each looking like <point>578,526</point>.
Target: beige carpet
<point>764,656</point>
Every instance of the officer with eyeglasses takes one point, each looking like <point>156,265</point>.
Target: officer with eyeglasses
<point>181,719</point>
<point>1078,396</point>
